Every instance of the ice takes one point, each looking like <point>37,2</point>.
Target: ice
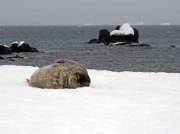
<point>125,29</point>
<point>115,103</point>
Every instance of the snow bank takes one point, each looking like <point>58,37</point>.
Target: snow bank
<point>125,29</point>
<point>115,103</point>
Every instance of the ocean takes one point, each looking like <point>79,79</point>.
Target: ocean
<point>68,42</point>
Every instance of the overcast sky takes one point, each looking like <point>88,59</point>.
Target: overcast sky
<point>78,12</point>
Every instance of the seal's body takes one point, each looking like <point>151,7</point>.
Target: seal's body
<point>61,74</point>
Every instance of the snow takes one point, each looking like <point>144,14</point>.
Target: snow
<point>115,103</point>
<point>20,43</point>
<point>125,29</point>
<point>15,42</point>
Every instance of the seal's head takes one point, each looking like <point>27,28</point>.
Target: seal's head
<point>78,79</point>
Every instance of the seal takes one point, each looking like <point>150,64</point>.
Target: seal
<point>59,75</point>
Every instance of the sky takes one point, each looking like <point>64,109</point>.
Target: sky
<point>97,12</point>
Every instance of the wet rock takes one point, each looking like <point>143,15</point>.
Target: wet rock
<point>93,41</point>
<point>15,57</point>
<point>103,35</point>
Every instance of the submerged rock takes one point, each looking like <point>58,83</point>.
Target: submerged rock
<point>1,58</point>
<point>93,41</point>
<point>61,74</point>
<point>15,57</point>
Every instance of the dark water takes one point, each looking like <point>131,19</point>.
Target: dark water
<point>59,42</point>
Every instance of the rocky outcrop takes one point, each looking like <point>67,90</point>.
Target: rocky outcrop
<point>5,49</point>
<point>103,36</point>
<point>59,75</point>
<point>124,34</point>
<point>16,47</point>
<point>22,47</point>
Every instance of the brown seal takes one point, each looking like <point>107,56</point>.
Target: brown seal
<point>61,74</point>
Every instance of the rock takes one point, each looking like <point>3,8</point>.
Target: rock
<point>125,34</point>
<point>117,28</point>
<point>135,38</point>
<point>14,47</point>
<point>173,46</point>
<point>1,58</point>
<point>15,57</point>
<point>103,35</point>
<point>93,41</point>
<point>126,38</point>
<point>5,49</point>
<point>22,47</point>
<point>61,74</point>
<point>12,59</point>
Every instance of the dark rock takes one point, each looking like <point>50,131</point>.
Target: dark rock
<point>117,28</point>
<point>22,47</point>
<point>27,48</point>
<point>14,47</point>
<point>103,36</point>
<point>107,39</point>
<point>172,46</point>
<point>93,41</point>
<point>135,38</point>
<point>5,49</point>
<point>12,59</point>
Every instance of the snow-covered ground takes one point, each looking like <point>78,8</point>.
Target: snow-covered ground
<point>115,103</point>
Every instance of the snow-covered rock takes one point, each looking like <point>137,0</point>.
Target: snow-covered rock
<point>22,47</point>
<point>125,34</point>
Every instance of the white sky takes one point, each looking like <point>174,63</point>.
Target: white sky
<point>77,12</point>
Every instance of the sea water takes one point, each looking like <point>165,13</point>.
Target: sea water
<point>59,42</point>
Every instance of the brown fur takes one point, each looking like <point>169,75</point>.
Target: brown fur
<point>61,74</point>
